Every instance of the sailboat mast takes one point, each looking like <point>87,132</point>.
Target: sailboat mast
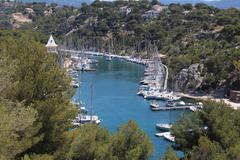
<point>91,105</point>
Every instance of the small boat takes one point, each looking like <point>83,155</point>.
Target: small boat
<point>155,106</point>
<point>143,82</point>
<point>174,98</point>
<point>140,93</point>
<point>83,110</point>
<point>163,126</point>
<point>143,87</point>
<point>80,107</point>
<point>167,96</point>
<point>75,84</point>
<point>149,95</point>
<point>169,137</point>
<point>156,109</point>
<point>88,69</point>
<point>193,109</point>
<point>94,61</point>
<point>109,58</point>
<point>83,119</point>
<point>191,106</point>
<point>175,103</point>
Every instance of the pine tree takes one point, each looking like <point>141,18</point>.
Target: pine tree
<point>38,82</point>
<point>130,142</point>
<point>170,155</point>
<point>19,129</point>
<point>91,142</point>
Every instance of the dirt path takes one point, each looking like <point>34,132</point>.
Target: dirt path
<point>206,97</point>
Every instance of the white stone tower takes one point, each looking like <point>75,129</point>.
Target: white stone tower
<point>51,45</point>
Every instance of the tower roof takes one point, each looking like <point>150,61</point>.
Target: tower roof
<point>51,42</point>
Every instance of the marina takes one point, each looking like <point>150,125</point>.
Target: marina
<point>115,84</point>
<point>152,87</point>
<point>124,80</point>
<point>154,84</point>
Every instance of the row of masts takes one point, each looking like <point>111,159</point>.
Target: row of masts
<point>155,81</point>
<point>75,64</point>
<point>111,45</point>
<point>83,115</point>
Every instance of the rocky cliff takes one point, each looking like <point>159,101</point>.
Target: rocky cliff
<point>189,79</point>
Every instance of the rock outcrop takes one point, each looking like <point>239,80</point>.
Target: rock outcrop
<point>189,79</point>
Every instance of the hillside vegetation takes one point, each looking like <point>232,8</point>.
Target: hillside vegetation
<point>186,34</point>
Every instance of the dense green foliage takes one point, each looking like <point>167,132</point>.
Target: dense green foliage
<point>128,143</point>
<point>212,133</point>
<point>36,113</point>
<point>30,77</point>
<point>170,155</point>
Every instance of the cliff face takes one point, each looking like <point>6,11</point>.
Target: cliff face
<point>189,79</point>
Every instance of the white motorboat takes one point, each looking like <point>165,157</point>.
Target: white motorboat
<point>83,119</point>
<point>109,58</point>
<point>163,126</point>
<point>75,84</point>
<point>198,105</point>
<point>167,135</point>
<point>83,110</point>
<point>154,105</point>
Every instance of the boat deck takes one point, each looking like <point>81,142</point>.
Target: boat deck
<point>166,135</point>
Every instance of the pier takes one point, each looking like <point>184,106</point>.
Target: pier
<point>113,56</point>
<point>175,108</point>
<point>154,84</point>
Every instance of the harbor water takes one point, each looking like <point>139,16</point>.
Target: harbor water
<point>115,84</point>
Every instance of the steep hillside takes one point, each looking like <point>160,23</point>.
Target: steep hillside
<point>187,35</point>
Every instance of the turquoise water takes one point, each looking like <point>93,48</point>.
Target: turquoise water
<point>115,101</point>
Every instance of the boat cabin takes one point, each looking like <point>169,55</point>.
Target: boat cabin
<point>234,96</point>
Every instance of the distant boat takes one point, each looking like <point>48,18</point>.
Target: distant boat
<point>175,103</point>
<point>94,61</point>
<point>75,84</point>
<point>163,126</point>
<point>154,105</point>
<point>167,135</point>
<point>81,108</point>
<point>83,119</point>
<point>167,96</point>
<point>109,58</point>
<point>183,104</point>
